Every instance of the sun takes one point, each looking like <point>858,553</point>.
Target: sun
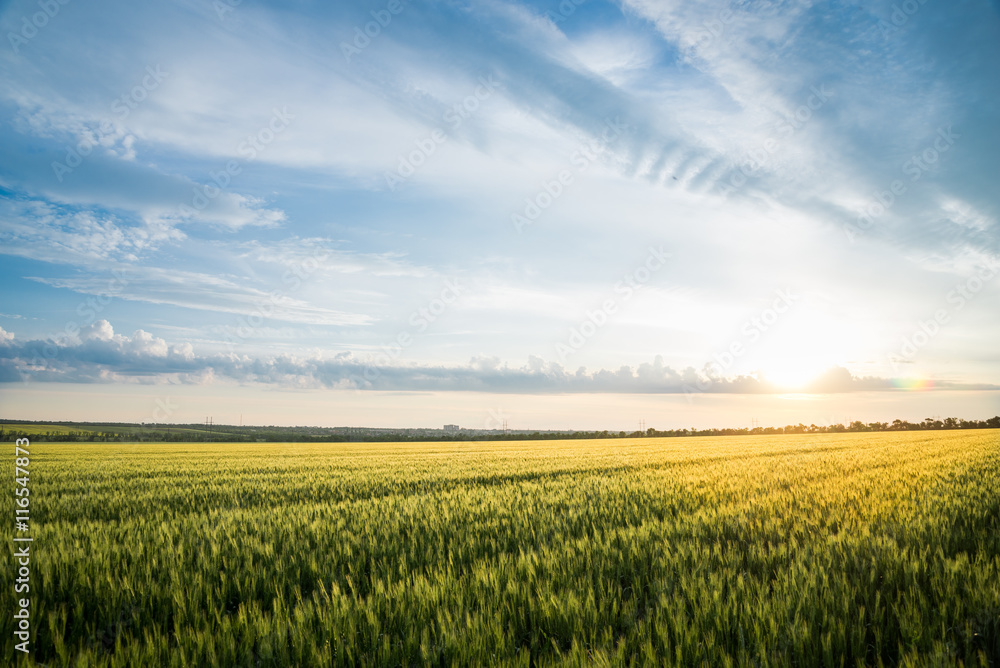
<point>793,373</point>
<point>799,350</point>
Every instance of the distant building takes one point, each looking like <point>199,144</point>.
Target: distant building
<point>452,427</point>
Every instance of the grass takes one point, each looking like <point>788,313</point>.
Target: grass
<point>812,550</point>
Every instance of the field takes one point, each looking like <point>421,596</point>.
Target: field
<point>32,429</point>
<point>812,550</point>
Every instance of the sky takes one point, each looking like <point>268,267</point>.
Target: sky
<point>574,214</point>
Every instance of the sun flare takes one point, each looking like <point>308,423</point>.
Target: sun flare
<point>794,373</point>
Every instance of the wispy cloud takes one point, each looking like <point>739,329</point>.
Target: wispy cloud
<point>209,292</point>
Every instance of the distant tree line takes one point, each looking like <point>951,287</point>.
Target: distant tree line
<point>127,433</point>
<point>165,436</point>
<point>857,426</point>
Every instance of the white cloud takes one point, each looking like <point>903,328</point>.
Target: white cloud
<point>208,292</point>
<point>100,355</point>
<point>42,231</point>
<point>97,331</point>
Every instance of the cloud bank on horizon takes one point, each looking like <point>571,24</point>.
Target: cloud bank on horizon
<point>99,355</point>
<point>741,197</point>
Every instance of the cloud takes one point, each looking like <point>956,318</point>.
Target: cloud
<point>94,354</point>
<point>698,88</point>
<point>209,292</point>
<point>98,355</point>
<point>833,161</point>
<point>43,231</point>
<point>317,254</point>
<point>153,196</point>
<point>98,331</point>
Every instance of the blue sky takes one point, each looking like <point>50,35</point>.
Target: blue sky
<point>588,212</point>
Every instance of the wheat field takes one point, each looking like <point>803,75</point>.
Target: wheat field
<point>811,550</point>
